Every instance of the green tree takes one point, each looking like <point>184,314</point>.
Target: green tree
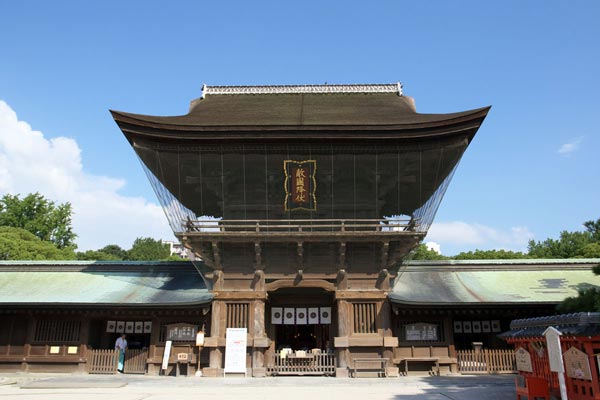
<point>148,249</point>
<point>422,252</point>
<point>43,218</point>
<point>490,255</point>
<point>115,251</point>
<point>593,227</point>
<point>96,255</point>
<point>20,244</point>
<point>569,245</point>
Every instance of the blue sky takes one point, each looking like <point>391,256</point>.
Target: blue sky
<point>532,170</point>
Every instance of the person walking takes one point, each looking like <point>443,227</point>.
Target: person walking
<point>121,345</point>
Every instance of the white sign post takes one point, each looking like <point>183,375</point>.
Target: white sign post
<point>235,350</point>
<point>555,357</point>
<point>166,355</point>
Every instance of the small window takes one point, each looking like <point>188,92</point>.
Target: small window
<point>57,331</point>
<point>237,315</point>
<point>365,317</point>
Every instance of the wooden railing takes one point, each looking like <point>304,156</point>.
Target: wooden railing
<point>103,361</point>
<point>486,361</point>
<point>135,361</point>
<point>273,226</point>
<point>106,361</point>
<point>311,364</point>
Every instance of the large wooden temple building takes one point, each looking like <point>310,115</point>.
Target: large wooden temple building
<point>301,198</point>
<point>299,205</point>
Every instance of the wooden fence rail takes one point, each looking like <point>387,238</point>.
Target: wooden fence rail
<point>312,364</point>
<point>135,361</point>
<point>106,361</point>
<point>486,361</point>
<point>103,361</point>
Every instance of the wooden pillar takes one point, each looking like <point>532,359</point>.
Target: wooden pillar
<point>261,342</point>
<point>389,341</point>
<point>217,334</point>
<point>341,341</point>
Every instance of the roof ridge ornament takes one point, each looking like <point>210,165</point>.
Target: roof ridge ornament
<point>299,89</point>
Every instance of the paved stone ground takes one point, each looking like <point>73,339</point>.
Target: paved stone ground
<point>128,387</point>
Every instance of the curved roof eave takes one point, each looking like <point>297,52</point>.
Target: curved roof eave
<point>186,123</point>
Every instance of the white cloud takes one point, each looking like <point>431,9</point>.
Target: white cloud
<point>31,163</point>
<point>463,236</point>
<point>570,147</point>
<point>434,246</point>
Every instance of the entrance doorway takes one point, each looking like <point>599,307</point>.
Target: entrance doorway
<point>302,337</point>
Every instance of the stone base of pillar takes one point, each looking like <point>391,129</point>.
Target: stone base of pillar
<point>341,373</point>
<point>212,372</point>
<point>393,372</point>
<point>259,372</point>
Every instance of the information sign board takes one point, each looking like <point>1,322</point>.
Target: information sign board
<point>235,350</point>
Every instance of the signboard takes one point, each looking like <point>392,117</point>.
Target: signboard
<point>235,350</point>
<point>523,359</point>
<point>183,356</point>
<point>182,332</point>
<point>167,354</point>
<point>577,364</point>
<point>300,185</point>
<point>421,332</point>
<point>555,357</point>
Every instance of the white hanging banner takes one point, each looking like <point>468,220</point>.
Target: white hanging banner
<point>325,316</point>
<point>288,316</point>
<point>129,327</point>
<point>139,327</point>
<point>476,326</point>
<point>276,315</point>
<point>111,326</point>
<point>235,350</point>
<point>301,316</point>
<point>313,315</point>
<point>148,327</point>
<point>120,327</point>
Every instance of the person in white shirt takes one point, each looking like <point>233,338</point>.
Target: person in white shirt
<point>121,345</point>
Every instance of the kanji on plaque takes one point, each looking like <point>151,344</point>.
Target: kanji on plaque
<point>300,185</point>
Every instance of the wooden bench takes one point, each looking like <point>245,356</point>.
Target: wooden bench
<point>381,368</point>
<point>437,355</point>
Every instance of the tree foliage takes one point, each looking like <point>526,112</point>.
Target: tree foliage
<point>490,255</point>
<point>96,255</point>
<point>20,244</point>
<point>43,218</point>
<point>422,252</point>
<point>148,249</point>
<point>570,244</point>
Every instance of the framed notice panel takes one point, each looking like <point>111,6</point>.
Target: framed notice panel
<point>235,350</point>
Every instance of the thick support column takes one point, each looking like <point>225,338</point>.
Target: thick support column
<point>213,342</point>
<point>341,341</point>
<point>261,342</point>
<point>389,341</point>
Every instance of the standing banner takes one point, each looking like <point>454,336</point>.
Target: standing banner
<point>235,350</point>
